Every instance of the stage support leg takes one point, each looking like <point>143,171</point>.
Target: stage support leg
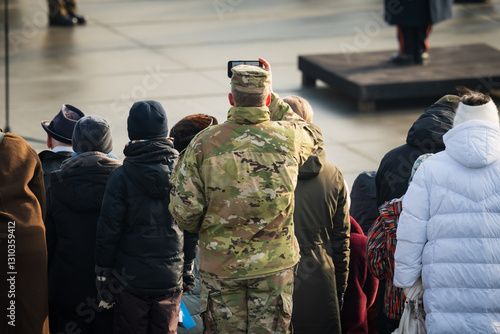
<point>308,80</point>
<point>366,106</point>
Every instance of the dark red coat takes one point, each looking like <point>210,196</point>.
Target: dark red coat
<point>361,286</point>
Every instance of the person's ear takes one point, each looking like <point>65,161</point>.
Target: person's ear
<point>268,100</point>
<point>231,99</point>
<point>49,142</point>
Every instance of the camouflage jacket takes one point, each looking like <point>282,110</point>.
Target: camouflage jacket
<point>235,185</point>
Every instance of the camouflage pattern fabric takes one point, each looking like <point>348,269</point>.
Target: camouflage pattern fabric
<point>250,79</point>
<point>257,306</point>
<point>235,186</point>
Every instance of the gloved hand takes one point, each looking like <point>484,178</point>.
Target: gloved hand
<point>103,285</point>
<point>341,301</point>
<point>188,282</point>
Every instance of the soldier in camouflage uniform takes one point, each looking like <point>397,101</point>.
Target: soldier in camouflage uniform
<point>235,186</point>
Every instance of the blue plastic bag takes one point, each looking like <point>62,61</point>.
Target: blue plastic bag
<point>185,319</point>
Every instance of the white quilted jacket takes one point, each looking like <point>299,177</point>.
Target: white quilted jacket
<point>449,232</point>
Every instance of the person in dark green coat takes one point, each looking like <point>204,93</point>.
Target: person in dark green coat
<point>322,228</point>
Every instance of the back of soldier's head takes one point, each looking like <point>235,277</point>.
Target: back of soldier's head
<point>250,85</point>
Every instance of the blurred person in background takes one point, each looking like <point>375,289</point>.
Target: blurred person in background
<point>414,20</point>
<point>63,13</point>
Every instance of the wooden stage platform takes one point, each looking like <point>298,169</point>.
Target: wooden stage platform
<point>369,77</point>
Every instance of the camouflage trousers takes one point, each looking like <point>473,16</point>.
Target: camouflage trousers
<point>255,306</point>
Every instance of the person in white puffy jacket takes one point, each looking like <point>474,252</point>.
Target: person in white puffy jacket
<point>449,229</point>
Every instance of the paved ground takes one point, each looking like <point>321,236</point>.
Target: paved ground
<point>176,52</point>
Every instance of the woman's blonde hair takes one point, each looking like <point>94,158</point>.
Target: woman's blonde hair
<point>301,107</point>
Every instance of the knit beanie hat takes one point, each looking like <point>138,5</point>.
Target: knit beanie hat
<point>485,112</point>
<point>147,120</point>
<point>92,133</point>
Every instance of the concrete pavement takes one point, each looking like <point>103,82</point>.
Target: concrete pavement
<point>176,52</point>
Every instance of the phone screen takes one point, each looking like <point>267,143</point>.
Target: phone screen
<point>233,63</point>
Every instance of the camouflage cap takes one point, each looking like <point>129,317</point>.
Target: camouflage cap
<point>250,79</point>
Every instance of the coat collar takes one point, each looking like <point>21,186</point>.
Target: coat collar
<point>248,115</point>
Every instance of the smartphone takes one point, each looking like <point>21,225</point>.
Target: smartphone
<point>232,63</point>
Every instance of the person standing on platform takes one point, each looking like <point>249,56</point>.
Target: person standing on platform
<point>414,20</point>
<point>63,13</point>
<point>59,133</point>
<point>321,219</point>
<point>235,185</point>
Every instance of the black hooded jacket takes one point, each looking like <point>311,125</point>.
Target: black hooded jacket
<point>425,136</point>
<point>74,199</point>
<point>137,236</point>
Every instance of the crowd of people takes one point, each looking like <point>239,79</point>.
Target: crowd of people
<point>247,224</point>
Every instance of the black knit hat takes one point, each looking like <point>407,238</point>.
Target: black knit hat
<point>92,133</point>
<point>147,120</point>
<point>61,126</point>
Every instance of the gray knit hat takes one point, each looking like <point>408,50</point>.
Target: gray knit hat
<point>92,133</point>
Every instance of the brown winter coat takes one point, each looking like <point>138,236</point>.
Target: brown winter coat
<point>22,200</point>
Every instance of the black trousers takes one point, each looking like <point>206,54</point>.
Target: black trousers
<point>87,320</point>
<point>146,314</point>
<point>384,325</point>
<point>413,39</point>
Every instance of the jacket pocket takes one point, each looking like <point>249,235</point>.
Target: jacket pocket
<point>284,313</point>
<point>213,310</point>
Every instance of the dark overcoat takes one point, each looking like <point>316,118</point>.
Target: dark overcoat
<point>74,200</point>
<point>321,219</point>
<point>416,12</point>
